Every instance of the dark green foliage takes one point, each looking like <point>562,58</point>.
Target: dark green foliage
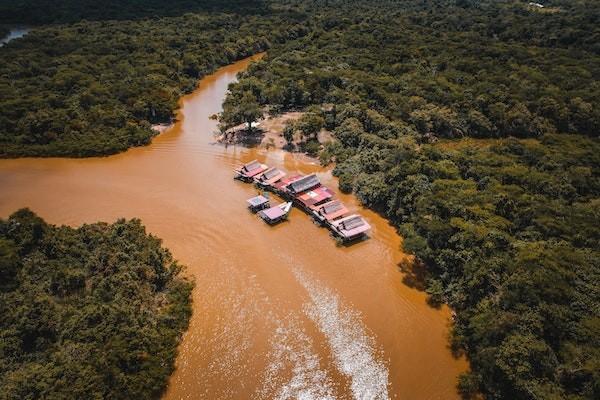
<point>94,88</point>
<point>93,312</point>
<point>508,223</point>
<point>510,232</point>
<point>35,12</point>
<point>310,125</point>
<point>443,70</point>
<point>242,109</point>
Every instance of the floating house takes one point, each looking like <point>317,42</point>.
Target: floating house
<point>307,193</point>
<point>269,177</point>
<point>351,227</point>
<point>248,171</point>
<point>283,183</point>
<point>276,214</point>
<point>258,203</point>
<point>314,197</point>
<point>329,211</point>
<point>303,184</point>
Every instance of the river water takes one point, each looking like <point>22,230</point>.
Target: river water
<point>279,312</point>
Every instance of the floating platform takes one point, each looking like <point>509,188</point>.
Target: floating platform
<point>329,211</point>
<point>303,184</point>
<point>306,192</point>
<point>248,171</point>
<point>269,177</point>
<point>314,197</point>
<point>350,228</point>
<point>276,214</point>
<point>258,203</point>
<point>280,186</point>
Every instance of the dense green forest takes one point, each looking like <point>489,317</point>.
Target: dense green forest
<point>440,82</point>
<point>87,313</point>
<point>473,127</point>
<point>93,88</point>
<point>36,12</point>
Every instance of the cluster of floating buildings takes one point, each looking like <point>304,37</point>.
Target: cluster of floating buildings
<point>304,191</point>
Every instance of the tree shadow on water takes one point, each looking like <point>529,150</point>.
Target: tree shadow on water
<point>244,137</point>
<point>415,275</point>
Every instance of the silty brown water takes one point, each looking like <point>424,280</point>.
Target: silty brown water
<point>279,312</point>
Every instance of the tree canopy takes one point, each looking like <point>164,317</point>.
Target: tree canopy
<point>92,312</point>
<point>95,88</point>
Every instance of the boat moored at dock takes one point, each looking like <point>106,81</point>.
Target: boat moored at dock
<point>276,214</point>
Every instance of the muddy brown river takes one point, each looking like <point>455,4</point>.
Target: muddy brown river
<point>279,312</point>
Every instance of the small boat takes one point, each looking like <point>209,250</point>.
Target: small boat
<point>248,171</point>
<point>258,203</point>
<point>269,177</point>
<point>329,211</point>
<point>276,214</point>
<point>350,228</point>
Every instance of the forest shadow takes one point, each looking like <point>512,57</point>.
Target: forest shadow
<point>415,274</point>
<point>40,12</point>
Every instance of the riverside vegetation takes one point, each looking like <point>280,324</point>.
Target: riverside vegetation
<point>471,125</point>
<point>95,87</point>
<point>474,129</point>
<point>92,312</point>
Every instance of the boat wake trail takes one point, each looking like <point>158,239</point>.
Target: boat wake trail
<point>294,371</point>
<point>354,351</point>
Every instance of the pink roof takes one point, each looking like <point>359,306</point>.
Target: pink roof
<point>315,196</point>
<point>255,171</point>
<point>331,210</point>
<point>286,181</point>
<point>270,176</point>
<point>273,212</point>
<point>351,226</point>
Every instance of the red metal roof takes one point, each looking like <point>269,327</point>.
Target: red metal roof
<point>315,196</point>
<point>286,181</point>
<point>273,213</point>
<point>351,226</point>
<point>331,210</point>
<point>261,168</point>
